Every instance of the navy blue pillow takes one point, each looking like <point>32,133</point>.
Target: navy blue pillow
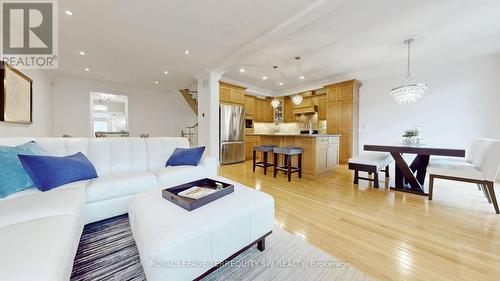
<point>48,172</point>
<point>186,156</point>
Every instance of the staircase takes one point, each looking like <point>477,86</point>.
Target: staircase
<point>191,99</point>
<point>191,133</point>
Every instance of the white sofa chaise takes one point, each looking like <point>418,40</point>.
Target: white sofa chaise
<point>40,231</point>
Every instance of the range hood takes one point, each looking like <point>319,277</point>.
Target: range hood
<point>306,107</point>
<point>305,110</point>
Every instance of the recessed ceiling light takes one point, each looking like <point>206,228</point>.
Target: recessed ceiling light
<point>87,69</point>
<point>82,53</point>
<point>166,72</point>
<point>301,77</point>
<point>281,83</point>
<point>156,82</point>
<point>69,13</point>
<point>264,77</point>
<point>186,52</point>
<point>242,70</point>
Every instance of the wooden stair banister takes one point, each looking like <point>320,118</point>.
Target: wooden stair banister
<point>190,100</point>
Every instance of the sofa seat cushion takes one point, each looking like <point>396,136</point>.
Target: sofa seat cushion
<point>69,200</point>
<point>42,249</point>
<point>175,175</point>
<point>454,167</point>
<point>118,185</point>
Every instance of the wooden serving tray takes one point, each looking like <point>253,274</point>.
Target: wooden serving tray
<point>171,193</point>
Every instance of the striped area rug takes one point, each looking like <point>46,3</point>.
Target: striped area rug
<point>107,251</point>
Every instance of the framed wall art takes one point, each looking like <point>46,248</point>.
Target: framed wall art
<point>16,96</point>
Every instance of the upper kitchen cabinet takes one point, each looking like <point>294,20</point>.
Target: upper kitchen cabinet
<point>249,105</point>
<point>230,93</point>
<point>263,111</point>
<point>288,110</point>
<point>342,114</point>
<point>322,107</point>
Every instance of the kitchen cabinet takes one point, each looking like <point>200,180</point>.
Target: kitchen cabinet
<point>232,94</point>
<point>321,107</point>
<point>238,96</point>
<point>249,105</point>
<point>327,153</point>
<point>288,111</point>
<point>342,114</point>
<point>224,93</point>
<point>319,153</point>
<point>264,112</point>
<point>250,142</point>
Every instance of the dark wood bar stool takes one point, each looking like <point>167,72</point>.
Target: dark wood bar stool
<point>287,167</point>
<point>264,163</point>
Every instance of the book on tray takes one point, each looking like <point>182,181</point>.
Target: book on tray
<point>196,192</point>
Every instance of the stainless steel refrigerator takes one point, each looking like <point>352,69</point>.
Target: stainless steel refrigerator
<point>232,134</point>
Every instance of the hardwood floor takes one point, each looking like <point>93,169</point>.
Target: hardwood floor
<point>388,235</point>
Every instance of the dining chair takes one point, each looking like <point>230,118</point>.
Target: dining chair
<point>481,166</point>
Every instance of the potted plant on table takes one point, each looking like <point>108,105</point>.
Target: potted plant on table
<point>411,136</point>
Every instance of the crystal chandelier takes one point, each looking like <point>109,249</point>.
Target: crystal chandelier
<point>275,103</point>
<point>410,91</point>
<point>297,99</point>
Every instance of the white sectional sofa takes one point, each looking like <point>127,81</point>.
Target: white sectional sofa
<point>40,231</point>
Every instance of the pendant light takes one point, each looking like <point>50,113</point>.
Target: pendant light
<point>410,91</point>
<point>297,98</point>
<point>275,102</point>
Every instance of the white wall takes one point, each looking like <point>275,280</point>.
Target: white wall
<point>42,109</point>
<point>463,103</point>
<point>155,113</point>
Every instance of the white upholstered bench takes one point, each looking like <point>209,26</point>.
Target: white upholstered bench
<point>175,244</point>
<point>372,163</point>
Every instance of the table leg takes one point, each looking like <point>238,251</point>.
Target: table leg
<point>405,173</point>
<point>419,165</point>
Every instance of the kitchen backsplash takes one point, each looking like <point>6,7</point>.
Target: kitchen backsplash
<point>271,128</point>
<point>288,128</point>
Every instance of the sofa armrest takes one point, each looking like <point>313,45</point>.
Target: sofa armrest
<point>209,163</point>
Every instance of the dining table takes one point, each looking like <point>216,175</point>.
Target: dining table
<point>411,178</point>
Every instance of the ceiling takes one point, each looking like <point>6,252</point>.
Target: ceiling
<point>133,42</point>
<point>364,38</point>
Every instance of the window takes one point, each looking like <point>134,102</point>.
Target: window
<point>109,113</point>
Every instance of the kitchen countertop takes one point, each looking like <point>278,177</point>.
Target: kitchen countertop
<point>297,135</point>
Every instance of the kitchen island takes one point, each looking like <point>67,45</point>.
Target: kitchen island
<point>320,153</point>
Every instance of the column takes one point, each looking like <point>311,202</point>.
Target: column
<point>208,111</point>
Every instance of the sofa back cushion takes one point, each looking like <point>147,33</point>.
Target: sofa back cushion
<point>63,146</point>
<point>111,155</point>
<point>117,155</point>
<point>160,149</point>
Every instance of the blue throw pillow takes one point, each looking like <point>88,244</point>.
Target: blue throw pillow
<point>13,177</point>
<point>186,156</point>
<point>48,172</point>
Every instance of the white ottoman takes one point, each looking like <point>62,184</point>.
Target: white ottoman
<point>175,244</point>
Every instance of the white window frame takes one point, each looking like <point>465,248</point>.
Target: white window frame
<point>96,94</point>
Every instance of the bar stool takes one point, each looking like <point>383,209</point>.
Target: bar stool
<point>264,149</point>
<point>287,167</point>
